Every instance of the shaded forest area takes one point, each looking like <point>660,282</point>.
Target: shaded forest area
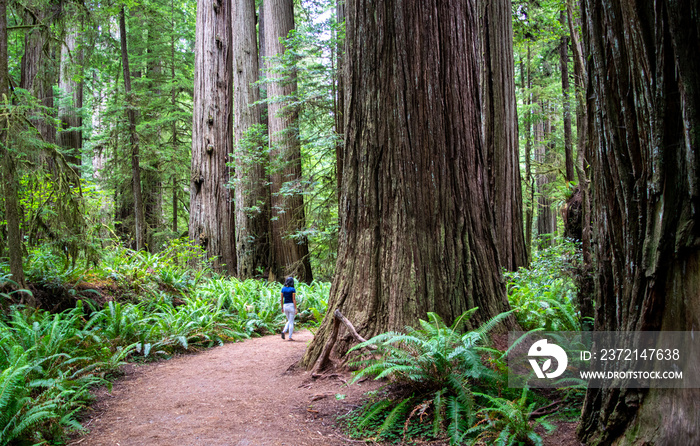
<point>460,167</point>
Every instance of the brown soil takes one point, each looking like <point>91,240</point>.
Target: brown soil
<point>247,393</point>
<point>242,394</point>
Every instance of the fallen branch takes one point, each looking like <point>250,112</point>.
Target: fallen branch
<point>543,410</point>
<point>326,352</point>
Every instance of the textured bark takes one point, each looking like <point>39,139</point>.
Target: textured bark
<point>251,187</point>
<point>37,68</point>
<point>340,99</point>
<point>529,180</point>
<point>546,218</point>
<point>585,274</point>
<point>71,137</point>
<point>416,227</point>
<point>645,77</point>
<point>566,102</point>
<point>10,182</point>
<point>499,125</point>
<point>290,252</point>
<point>139,218</point>
<point>211,208</point>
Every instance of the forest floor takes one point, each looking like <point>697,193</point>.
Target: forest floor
<point>240,394</point>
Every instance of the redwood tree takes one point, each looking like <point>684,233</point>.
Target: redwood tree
<point>290,251</point>
<point>645,77</point>
<point>251,187</point>
<point>416,227</point>
<point>211,222</point>
<point>499,125</point>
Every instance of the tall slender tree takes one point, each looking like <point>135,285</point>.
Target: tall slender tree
<point>139,218</point>
<point>71,86</point>
<point>9,175</point>
<point>290,249</point>
<point>251,185</point>
<point>416,225</point>
<point>645,79</point>
<point>499,125</point>
<point>212,223</point>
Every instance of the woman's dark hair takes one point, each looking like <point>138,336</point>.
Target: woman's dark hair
<point>289,281</point>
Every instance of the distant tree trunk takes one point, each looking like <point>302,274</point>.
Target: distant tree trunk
<point>499,125</point>
<point>416,227</point>
<point>10,181</point>
<point>290,249</point>
<point>340,98</point>
<point>37,69</point>
<point>566,103</point>
<point>645,173</point>
<point>173,125</point>
<point>153,173</point>
<point>211,208</point>
<point>251,187</point>
<point>72,91</point>
<point>529,181</point>
<point>546,218</point>
<point>139,219</point>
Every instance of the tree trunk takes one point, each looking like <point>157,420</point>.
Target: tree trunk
<point>585,273</point>
<point>566,103</point>
<point>139,219</point>
<point>71,137</point>
<point>290,249</point>
<point>251,187</point>
<point>211,208</point>
<point>529,181</point>
<point>499,126</point>
<point>416,227</point>
<point>37,69</point>
<point>9,175</point>
<point>340,98</point>
<point>645,75</point>
<point>546,218</point>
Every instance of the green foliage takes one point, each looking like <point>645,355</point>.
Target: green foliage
<point>446,372</point>
<point>543,295</point>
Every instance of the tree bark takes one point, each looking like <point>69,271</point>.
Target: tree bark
<point>645,77</point>
<point>499,126</point>
<point>566,102</point>
<point>9,175</point>
<point>290,249</point>
<point>139,219</point>
<point>71,137</point>
<point>251,187</point>
<point>340,98</point>
<point>37,69</point>
<point>211,222</point>
<point>546,217</point>
<point>416,228</point>
<point>529,180</point>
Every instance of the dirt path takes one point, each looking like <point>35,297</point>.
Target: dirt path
<point>240,394</point>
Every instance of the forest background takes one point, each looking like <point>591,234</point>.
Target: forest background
<point>165,164</point>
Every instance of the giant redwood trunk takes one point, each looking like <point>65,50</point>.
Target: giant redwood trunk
<point>211,223</point>
<point>416,227</point>
<point>251,186</point>
<point>499,125</point>
<point>290,251</point>
<point>645,77</point>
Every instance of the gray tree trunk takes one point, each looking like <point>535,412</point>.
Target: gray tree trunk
<point>211,222</point>
<point>71,137</point>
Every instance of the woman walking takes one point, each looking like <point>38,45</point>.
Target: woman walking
<point>289,306</point>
